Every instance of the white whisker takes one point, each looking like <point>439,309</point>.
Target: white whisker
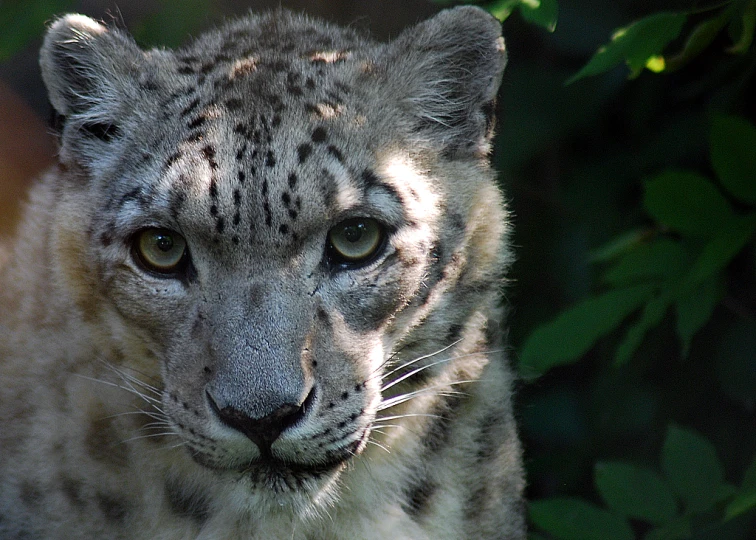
<point>149,436</point>
<point>396,400</point>
<point>379,445</point>
<point>419,359</point>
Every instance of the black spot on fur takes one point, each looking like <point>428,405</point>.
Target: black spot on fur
<point>112,507</point>
<point>234,104</point>
<point>197,122</point>
<point>283,229</point>
<point>335,152</point>
<point>30,494</point>
<point>319,135</point>
<point>213,188</point>
<point>370,178</point>
<point>292,181</point>
<point>220,225</point>
<point>103,442</point>
<point>209,153</point>
<point>303,152</point>
<point>270,159</point>
<point>418,495</point>
<point>439,432</point>
<point>187,501</point>
<point>72,490</point>
<point>313,109</point>
<point>454,333</point>
<point>189,108</point>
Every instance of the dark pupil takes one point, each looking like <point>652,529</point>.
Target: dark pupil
<point>164,243</point>
<point>353,233</point>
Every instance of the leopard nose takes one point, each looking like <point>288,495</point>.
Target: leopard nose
<point>263,431</point>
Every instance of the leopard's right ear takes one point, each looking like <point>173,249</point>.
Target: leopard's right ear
<point>90,73</point>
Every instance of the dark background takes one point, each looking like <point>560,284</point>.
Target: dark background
<point>572,160</point>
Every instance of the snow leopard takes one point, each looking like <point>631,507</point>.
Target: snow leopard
<point>260,293</point>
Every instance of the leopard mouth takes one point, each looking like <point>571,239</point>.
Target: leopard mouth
<point>281,476</point>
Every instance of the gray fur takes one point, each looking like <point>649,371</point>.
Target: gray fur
<point>266,390</point>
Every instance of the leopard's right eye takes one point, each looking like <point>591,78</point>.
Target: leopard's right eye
<point>161,250</point>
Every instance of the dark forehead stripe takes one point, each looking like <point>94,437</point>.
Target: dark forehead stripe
<point>371,181</point>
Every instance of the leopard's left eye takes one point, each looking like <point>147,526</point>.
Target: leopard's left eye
<point>161,250</point>
<point>355,241</point>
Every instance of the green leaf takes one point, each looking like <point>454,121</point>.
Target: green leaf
<point>695,308</point>
<point>718,253</point>
<point>677,529</point>
<point>174,23</point>
<point>691,465</point>
<point>733,155</point>
<point>502,9</point>
<point>575,330</point>
<point>745,499</point>
<point>541,12</point>
<point>575,519</point>
<point>635,492</point>
<point>618,246</point>
<point>660,259</point>
<point>687,203</point>
<point>635,44</point>
<point>748,23</point>
<point>652,314</point>
<point>700,38</point>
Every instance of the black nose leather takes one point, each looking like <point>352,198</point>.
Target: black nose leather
<point>263,431</point>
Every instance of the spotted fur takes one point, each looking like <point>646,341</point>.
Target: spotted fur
<point>267,389</point>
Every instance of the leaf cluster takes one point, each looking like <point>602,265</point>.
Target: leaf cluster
<point>690,494</point>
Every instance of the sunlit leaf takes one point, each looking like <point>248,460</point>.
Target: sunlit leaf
<point>695,308</point>
<point>541,12</point>
<point>688,203</point>
<point>502,9</point>
<point>661,259</point>
<point>635,44</point>
<point>575,519</point>
<point>733,155</point>
<point>692,467</point>
<point>575,330</point>
<point>635,492</point>
<point>657,64</point>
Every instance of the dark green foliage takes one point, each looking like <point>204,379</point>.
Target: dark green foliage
<point>688,254</point>
<point>22,20</point>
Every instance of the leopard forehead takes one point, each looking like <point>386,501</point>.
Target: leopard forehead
<point>265,132</point>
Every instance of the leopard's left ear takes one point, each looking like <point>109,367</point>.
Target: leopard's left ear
<point>90,73</point>
<point>446,72</point>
